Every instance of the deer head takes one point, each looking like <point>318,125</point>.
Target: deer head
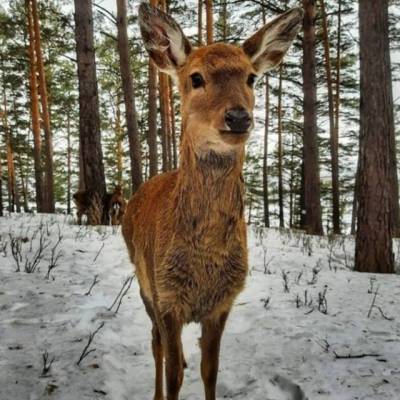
<point>216,82</point>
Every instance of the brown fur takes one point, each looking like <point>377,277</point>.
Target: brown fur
<point>185,229</point>
<point>117,206</point>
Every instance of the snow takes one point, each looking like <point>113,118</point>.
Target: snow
<point>267,349</point>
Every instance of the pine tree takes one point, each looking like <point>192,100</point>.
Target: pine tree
<point>129,97</point>
<point>373,252</point>
<point>313,222</point>
<point>92,166</point>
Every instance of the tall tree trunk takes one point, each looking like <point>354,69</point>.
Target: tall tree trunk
<point>266,132</point>
<point>1,191</point>
<point>209,21</point>
<point>224,17</point>
<point>280,153</point>
<point>313,220</point>
<point>291,183</point>
<point>69,169</point>
<point>34,102</point>
<point>338,67</point>
<point>152,116</point>
<point>200,22</point>
<point>118,141</point>
<point>164,126</point>
<point>129,97</point>
<point>173,125</point>
<point>163,95</point>
<point>334,140</point>
<point>24,188</point>
<point>168,120</point>
<point>373,252</point>
<point>265,156</point>
<point>48,138</point>
<point>12,183</point>
<point>89,120</point>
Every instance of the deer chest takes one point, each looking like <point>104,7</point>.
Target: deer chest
<point>198,281</point>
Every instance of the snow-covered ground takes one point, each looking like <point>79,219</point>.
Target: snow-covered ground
<point>272,342</point>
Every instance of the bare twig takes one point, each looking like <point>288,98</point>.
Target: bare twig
<point>16,246</point>
<point>86,350</point>
<point>126,282</point>
<point>54,257</point>
<point>46,364</point>
<point>373,302</point>
<point>285,277</point>
<point>95,282</point>
<point>124,293</point>
<point>266,302</point>
<point>98,253</point>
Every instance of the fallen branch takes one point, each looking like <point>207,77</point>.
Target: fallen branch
<point>351,356</point>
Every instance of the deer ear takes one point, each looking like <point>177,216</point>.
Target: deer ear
<point>163,38</point>
<point>267,47</point>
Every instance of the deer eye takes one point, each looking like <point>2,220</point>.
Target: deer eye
<point>251,79</point>
<point>197,80</point>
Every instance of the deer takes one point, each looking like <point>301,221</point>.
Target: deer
<point>117,206</point>
<point>111,206</point>
<point>184,229</point>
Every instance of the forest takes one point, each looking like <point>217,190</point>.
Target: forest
<point>86,118</point>
<point>303,156</point>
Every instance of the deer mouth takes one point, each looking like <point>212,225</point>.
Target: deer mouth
<point>234,137</point>
<point>234,133</point>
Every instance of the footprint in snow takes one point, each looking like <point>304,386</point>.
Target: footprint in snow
<point>291,389</point>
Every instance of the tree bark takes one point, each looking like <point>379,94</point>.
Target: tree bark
<point>152,121</point>
<point>164,133</point>
<point>209,21</point>
<point>69,169</point>
<point>48,138</point>
<point>280,153</point>
<point>200,23</point>
<point>89,120</point>
<point>152,116</point>
<point>265,156</point>
<point>13,197</point>
<point>313,220</point>
<point>129,97</point>
<point>1,191</point>
<point>34,103</point>
<point>163,97</point>
<point>334,140</point>
<point>118,141</point>
<point>173,125</point>
<point>291,184</point>
<point>373,252</point>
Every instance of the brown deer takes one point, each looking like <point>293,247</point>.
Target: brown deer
<point>184,229</point>
<point>117,206</point>
<point>111,206</point>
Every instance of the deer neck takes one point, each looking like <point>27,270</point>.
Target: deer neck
<point>210,187</point>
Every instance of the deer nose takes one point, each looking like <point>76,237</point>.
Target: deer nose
<point>238,120</point>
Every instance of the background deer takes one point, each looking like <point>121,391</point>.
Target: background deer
<point>111,207</point>
<point>184,229</point>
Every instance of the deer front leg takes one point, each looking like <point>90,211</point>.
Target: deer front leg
<point>212,329</point>
<point>172,345</point>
